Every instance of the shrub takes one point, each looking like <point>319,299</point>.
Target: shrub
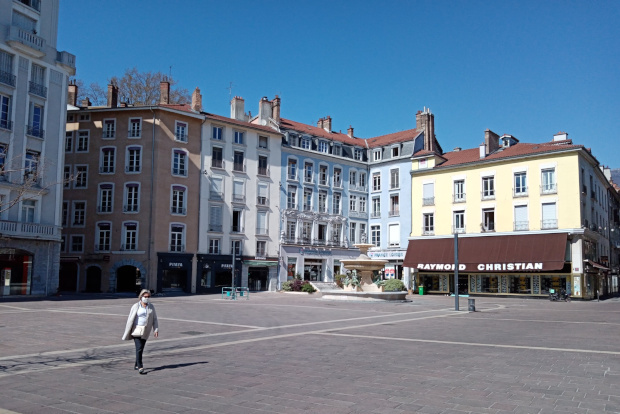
<point>393,285</point>
<point>297,285</point>
<point>307,287</point>
<point>338,279</point>
<point>287,286</point>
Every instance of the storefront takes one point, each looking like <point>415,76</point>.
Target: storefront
<point>528,265</point>
<point>215,271</point>
<point>394,268</point>
<point>15,272</point>
<point>174,272</point>
<point>313,264</point>
<point>260,274</point>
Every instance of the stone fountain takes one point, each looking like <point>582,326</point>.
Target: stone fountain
<point>364,267</point>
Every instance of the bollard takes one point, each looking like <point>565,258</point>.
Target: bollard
<point>471,303</point>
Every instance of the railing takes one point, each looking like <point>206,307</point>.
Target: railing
<point>319,242</point>
<point>129,246</point>
<point>261,231</point>
<point>237,229</point>
<point>337,183</point>
<point>549,189</point>
<point>104,209</point>
<point>337,210</point>
<point>35,131</point>
<point>15,228</point>
<point>375,214</point>
<point>428,201</point>
<point>66,58</point>
<point>262,201</point>
<point>291,176</point>
<point>458,198</point>
<point>521,225</point>
<point>307,208</point>
<point>519,192</point>
<point>130,208</point>
<point>7,78</point>
<point>428,231</point>
<point>37,89</point>
<point>292,206</point>
<point>323,181</point>
<point>34,4</point>
<point>180,136</point>
<point>263,171</point>
<point>394,213</point>
<point>239,167</point>
<point>106,170</point>
<point>487,195</point>
<point>110,133</point>
<point>6,124</point>
<point>216,195</point>
<point>458,229</point>
<point>27,38</point>
<point>308,179</point>
<point>215,163</point>
<point>177,247</point>
<point>215,227</point>
<point>549,224</point>
<point>178,210</point>
<point>238,198</point>
<point>132,168</point>
<point>358,214</point>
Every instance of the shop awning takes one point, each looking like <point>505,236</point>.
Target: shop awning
<point>596,265</point>
<point>490,254</point>
<point>260,262</point>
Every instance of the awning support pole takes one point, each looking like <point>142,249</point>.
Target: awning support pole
<point>456,271</point>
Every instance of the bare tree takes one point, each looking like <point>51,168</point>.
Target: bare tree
<point>134,87</point>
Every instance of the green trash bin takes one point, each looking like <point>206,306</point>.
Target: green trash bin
<point>421,290</point>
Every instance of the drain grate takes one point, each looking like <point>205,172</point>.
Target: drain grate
<point>191,333</point>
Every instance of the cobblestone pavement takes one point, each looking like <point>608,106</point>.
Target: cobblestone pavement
<point>286,353</point>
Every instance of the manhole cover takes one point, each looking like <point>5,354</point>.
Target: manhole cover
<point>192,333</point>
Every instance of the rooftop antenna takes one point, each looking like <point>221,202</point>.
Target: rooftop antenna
<point>230,87</point>
<point>170,72</point>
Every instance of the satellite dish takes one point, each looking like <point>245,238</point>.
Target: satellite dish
<point>263,122</point>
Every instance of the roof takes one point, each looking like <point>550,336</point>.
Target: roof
<point>242,124</point>
<point>320,132</point>
<point>472,155</point>
<point>382,140</point>
<point>179,107</point>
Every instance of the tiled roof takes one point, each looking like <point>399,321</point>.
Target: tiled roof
<point>320,132</point>
<point>520,149</point>
<point>241,123</point>
<point>407,135</point>
<point>179,107</point>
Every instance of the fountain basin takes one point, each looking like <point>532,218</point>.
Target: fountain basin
<point>363,296</point>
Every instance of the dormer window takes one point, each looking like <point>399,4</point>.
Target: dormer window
<point>395,152</point>
<point>305,143</point>
<point>376,155</point>
<point>323,146</point>
<point>337,150</point>
<point>358,154</point>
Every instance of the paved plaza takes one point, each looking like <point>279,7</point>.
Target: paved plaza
<point>291,353</point>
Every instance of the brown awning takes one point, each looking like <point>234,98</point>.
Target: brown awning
<point>596,265</point>
<point>489,254</point>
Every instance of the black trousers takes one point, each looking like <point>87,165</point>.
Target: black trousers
<point>140,343</point>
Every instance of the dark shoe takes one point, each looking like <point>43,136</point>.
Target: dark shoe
<point>141,371</point>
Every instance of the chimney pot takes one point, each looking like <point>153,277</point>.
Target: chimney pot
<point>327,124</point>
<point>86,102</point>
<point>350,132</point>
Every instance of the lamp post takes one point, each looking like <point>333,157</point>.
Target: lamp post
<point>456,271</point>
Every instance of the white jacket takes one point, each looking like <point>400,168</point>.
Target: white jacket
<point>151,322</point>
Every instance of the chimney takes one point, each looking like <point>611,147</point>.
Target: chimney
<point>457,149</point>
<point>112,96</point>
<point>483,150</point>
<point>72,94</point>
<point>197,100</point>
<point>560,136</point>
<point>123,104</point>
<point>164,91</point>
<point>85,102</point>
<point>319,123</point>
<point>491,141</point>
<point>327,124</point>
<point>350,132</point>
<point>237,108</point>
<point>264,110</point>
<point>425,122</point>
<point>276,109</point>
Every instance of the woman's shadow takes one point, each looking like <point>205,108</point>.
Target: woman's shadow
<point>172,366</point>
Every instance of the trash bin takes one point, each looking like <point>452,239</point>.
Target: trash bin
<point>471,304</point>
<point>421,290</point>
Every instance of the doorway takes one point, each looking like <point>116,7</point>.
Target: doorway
<point>128,279</point>
<point>313,270</point>
<point>67,277</point>
<point>258,278</point>
<point>93,279</point>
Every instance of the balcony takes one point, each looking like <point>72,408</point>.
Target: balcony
<point>262,201</point>
<point>7,78</point>
<point>239,167</point>
<point>237,229</point>
<point>215,163</point>
<point>26,41</point>
<point>520,192</point>
<point>375,214</point>
<point>177,247</point>
<point>487,195</point>
<point>130,208</point>
<point>37,89</point>
<point>548,189</point>
<point>35,131</point>
<point>28,230</point>
<point>238,198</point>
<point>394,213</point>
<point>178,210</point>
<point>357,214</point>
<point>458,229</point>
<point>261,231</point>
<point>33,4</point>
<point>6,124</point>
<point>521,225</point>
<point>263,171</point>
<point>215,227</point>
<point>428,201</point>
<point>458,198</point>
<point>66,60</point>
<point>549,224</point>
<point>216,195</point>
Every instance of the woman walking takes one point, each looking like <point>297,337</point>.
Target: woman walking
<point>142,319</point>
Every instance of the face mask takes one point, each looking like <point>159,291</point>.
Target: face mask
<point>145,300</point>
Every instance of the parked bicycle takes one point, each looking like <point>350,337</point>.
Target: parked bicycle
<point>555,296</point>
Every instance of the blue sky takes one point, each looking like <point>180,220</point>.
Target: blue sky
<point>526,68</point>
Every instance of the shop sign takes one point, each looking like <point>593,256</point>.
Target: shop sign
<point>175,264</point>
<point>399,254</point>
<point>390,272</point>
<point>316,252</point>
<point>488,267</point>
<point>226,266</point>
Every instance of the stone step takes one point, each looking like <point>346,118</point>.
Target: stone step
<point>325,286</point>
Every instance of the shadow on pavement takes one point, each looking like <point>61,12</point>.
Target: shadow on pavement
<point>172,366</point>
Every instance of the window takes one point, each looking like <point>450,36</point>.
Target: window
<point>130,236</point>
<point>37,81</point>
<point>395,152</point>
<point>217,157</point>
<point>65,214</point>
<point>261,248</point>
<point>459,191</point>
<point>239,137</point>
<point>35,126</point>
<point>135,128</point>
<point>363,181</point>
<point>290,230</point>
<point>549,185</point>
<point>352,203</point>
<point>216,133</point>
<point>84,117</point>
<point>323,147</point>
<point>521,221</point>
<point>307,199</point>
<point>215,218</point>
<point>79,213</point>
<point>458,221</point>
<point>132,198</point>
<point>336,233</point>
<point>363,234</point>
<point>488,187</point>
<point>428,223</point>
<point>308,172</point>
<point>180,133</point>
<point>263,142</point>
<point>238,195</point>
<point>77,244</point>
<point>106,196</point>
<point>134,160</point>
<point>352,231</point>
<point>263,190</point>
<point>322,201</point>
<point>69,141</point>
<point>81,176</point>
<point>376,207</point>
<point>235,247</point>
<point>237,221</point>
<point>394,205</point>
<point>394,178</point>
<point>31,165</point>
<point>109,129</point>
<point>376,155</point>
<point>216,188</point>
<point>291,200</point>
<point>292,169</point>
<point>488,219</point>
<point>104,234</point>
<point>262,165</point>
<point>63,243</point>
<point>376,181</point>
<point>305,143</point>
<point>261,222</point>
<point>106,162</point>
<point>178,200</point>
<point>177,233</point>
<point>337,178</point>
<point>3,149</point>
<point>520,188</point>
<point>214,246</point>
<point>28,211</point>
<point>375,235</point>
<point>238,161</point>
<point>352,178</point>
<point>357,154</point>
<point>337,150</point>
<point>322,175</point>
<point>336,203</point>
<point>428,194</point>
<point>6,69</point>
<point>549,217</point>
<point>394,235</point>
<point>179,163</point>
<point>82,141</point>
<point>5,111</point>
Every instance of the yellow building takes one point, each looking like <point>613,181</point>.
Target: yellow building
<point>529,218</point>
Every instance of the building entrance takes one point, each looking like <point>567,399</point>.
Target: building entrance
<point>93,279</point>
<point>313,270</point>
<point>128,279</point>
<point>258,278</point>
<point>67,277</point>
